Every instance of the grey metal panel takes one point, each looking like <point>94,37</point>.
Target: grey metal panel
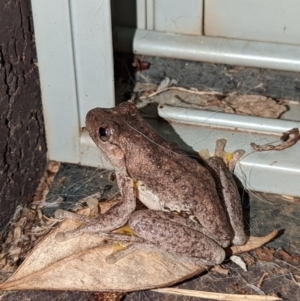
<point>160,15</point>
<point>268,20</point>
<point>174,16</point>
<point>141,14</point>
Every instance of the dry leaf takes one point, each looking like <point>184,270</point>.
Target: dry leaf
<point>239,261</point>
<point>79,264</point>
<point>255,105</point>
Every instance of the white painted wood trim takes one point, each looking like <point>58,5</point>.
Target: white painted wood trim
<point>54,43</point>
<point>74,49</point>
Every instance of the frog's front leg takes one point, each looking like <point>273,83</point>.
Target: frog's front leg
<point>227,188</point>
<point>114,218</point>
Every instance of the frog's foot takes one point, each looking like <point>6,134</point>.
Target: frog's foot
<point>120,252</point>
<point>220,148</point>
<point>204,154</point>
<point>124,234</point>
<point>112,219</point>
<point>230,159</point>
<point>63,236</point>
<point>235,157</point>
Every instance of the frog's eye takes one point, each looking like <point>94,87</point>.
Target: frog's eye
<point>103,133</point>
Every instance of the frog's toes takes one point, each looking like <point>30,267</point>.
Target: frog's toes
<point>234,158</point>
<point>111,259</point>
<point>204,154</point>
<point>60,237</point>
<point>62,214</point>
<point>120,251</point>
<point>230,159</point>
<point>59,213</point>
<point>220,147</point>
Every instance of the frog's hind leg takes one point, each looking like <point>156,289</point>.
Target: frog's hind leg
<point>170,235</point>
<point>229,197</point>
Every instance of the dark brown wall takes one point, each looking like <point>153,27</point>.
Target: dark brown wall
<point>22,137</point>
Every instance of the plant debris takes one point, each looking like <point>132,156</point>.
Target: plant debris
<point>27,227</point>
<point>167,93</point>
<point>289,138</point>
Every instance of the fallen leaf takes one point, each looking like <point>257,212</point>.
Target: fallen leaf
<point>255,105</point>
<point>79,264</point>
<point>239,261</point>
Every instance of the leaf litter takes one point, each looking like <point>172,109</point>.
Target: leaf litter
<point>168,94</point>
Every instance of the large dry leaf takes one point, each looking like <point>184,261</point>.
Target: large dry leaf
<point>79,264</point>
<point>253,105</point>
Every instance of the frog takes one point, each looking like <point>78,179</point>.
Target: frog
<point>165,180</point>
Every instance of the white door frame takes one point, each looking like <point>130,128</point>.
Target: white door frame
<point>75,60</point>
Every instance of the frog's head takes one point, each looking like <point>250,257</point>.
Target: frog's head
<point>109,129</point>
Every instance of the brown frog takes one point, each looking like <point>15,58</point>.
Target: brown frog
<point>164,179</point>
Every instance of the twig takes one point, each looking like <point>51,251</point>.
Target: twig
<point>262,278</point>
<point>181,89</point>
<point>294,280</point>
<point>289,138</point>
<point>215,296</point>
